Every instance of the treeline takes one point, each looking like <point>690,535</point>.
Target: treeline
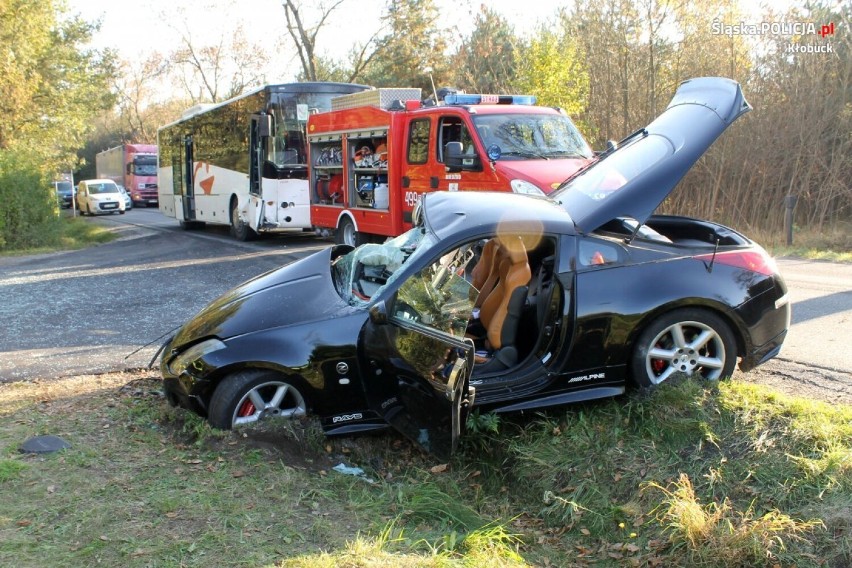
<point>627,58</point>
<point>611,64</point>
<point>51,90</point>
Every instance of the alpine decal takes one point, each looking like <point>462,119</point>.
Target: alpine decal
<point>584,378</point>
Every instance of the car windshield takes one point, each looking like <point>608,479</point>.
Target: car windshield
<point>102,188</point>
<point>536,136</point>
<point>63,187</point>
<point>364,272</point>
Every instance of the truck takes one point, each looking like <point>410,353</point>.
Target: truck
<point>244,162</point>
<point>133,166</point>
<point>376,152</point>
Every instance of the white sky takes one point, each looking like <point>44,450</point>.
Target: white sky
<point>136,29</point>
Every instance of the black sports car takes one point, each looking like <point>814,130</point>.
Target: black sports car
<point>499,301</point>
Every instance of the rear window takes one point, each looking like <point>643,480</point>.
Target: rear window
<point>612,173</point>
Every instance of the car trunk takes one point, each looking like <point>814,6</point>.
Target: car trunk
<point>681,231</point>
<point>694,232</point>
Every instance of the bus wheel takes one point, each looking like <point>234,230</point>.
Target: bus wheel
<point>347,235</point>
<point>239,229</point>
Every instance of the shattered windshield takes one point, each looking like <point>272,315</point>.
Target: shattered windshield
<point>526,136</point>
<point>364,272</point>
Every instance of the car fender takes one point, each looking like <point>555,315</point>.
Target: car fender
<point>730,317</point>
<point>325,363</point>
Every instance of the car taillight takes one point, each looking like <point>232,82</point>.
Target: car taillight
<point>755,260</point>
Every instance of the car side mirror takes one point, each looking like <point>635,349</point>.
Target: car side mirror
<point>456,160</point>
<point>379,313</point>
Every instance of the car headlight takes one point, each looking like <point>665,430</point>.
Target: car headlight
<point>190,357</point>
<point>525,187</point>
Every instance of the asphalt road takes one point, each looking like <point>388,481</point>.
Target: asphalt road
<point>108,308</point>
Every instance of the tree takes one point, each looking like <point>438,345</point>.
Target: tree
<point>139,113</point>
<point>304,36</point>
<point>413,48</point>
<point>50,86</point>
<point>219,71</point>
<point>485,62</point>
<point>551,66</point>
<point>50,89</point>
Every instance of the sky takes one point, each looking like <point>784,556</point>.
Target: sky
<point>137,29</point>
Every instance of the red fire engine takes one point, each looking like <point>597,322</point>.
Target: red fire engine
<point>375,154</point>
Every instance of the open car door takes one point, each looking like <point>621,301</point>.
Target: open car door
<point>417,360</point>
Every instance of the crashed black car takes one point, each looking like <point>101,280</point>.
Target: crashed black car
<point>499,301</point>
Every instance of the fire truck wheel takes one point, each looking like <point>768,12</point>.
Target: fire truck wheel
<point>347,235</point>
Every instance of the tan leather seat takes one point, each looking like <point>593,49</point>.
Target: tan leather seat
<point>486,273</point>
<point>501,311</point>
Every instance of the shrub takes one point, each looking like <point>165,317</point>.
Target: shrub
<point>28,206</point>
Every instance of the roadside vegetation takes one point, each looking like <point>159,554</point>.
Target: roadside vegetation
<point>63,232</point>
<point>612,66</point>
<point>729,474</point>
<point>833,243</point>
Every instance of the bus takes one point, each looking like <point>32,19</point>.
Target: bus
<point>244,162</point>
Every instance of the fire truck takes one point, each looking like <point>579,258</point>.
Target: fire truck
<point>374,155</point>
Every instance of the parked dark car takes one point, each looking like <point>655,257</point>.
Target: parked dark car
<point>64,193</point>
<point>500,301</point>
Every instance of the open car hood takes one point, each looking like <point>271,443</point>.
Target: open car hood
<point>632,180</point>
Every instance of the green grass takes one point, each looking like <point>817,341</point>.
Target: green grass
<point>687,475</point>
<point>66,233</point>
<point>831,243</point>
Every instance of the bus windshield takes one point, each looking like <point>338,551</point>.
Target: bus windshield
<point>288,146</point>
<point>531,136</point>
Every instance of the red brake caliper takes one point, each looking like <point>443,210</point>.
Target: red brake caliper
<point>657,365</point>
<point>247,409</point>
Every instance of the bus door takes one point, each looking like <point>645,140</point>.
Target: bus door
<point>188,187</point>
<point>284,186</point>
<point>258,134</point>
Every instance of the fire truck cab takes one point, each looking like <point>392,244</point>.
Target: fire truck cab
<point>375,154</point>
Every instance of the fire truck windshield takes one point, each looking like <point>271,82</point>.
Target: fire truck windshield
<point>532,136</point>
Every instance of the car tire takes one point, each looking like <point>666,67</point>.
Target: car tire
<point>239,229</point>
<point>347,235</point>
<point>247,397</point>
<point>121,212</point>
<point>695,342</point>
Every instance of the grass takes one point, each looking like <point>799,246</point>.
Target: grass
<point>66,233</point>
<point>832,243</point>
<point>687,475</point>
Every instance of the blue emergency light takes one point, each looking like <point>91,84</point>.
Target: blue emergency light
<point>473,99</point>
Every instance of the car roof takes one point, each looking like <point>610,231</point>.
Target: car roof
<point>634,179</point>
<point>451,213</point>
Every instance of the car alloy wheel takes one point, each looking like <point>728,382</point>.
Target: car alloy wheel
<point>693,342</point>
<point>248,397</point>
